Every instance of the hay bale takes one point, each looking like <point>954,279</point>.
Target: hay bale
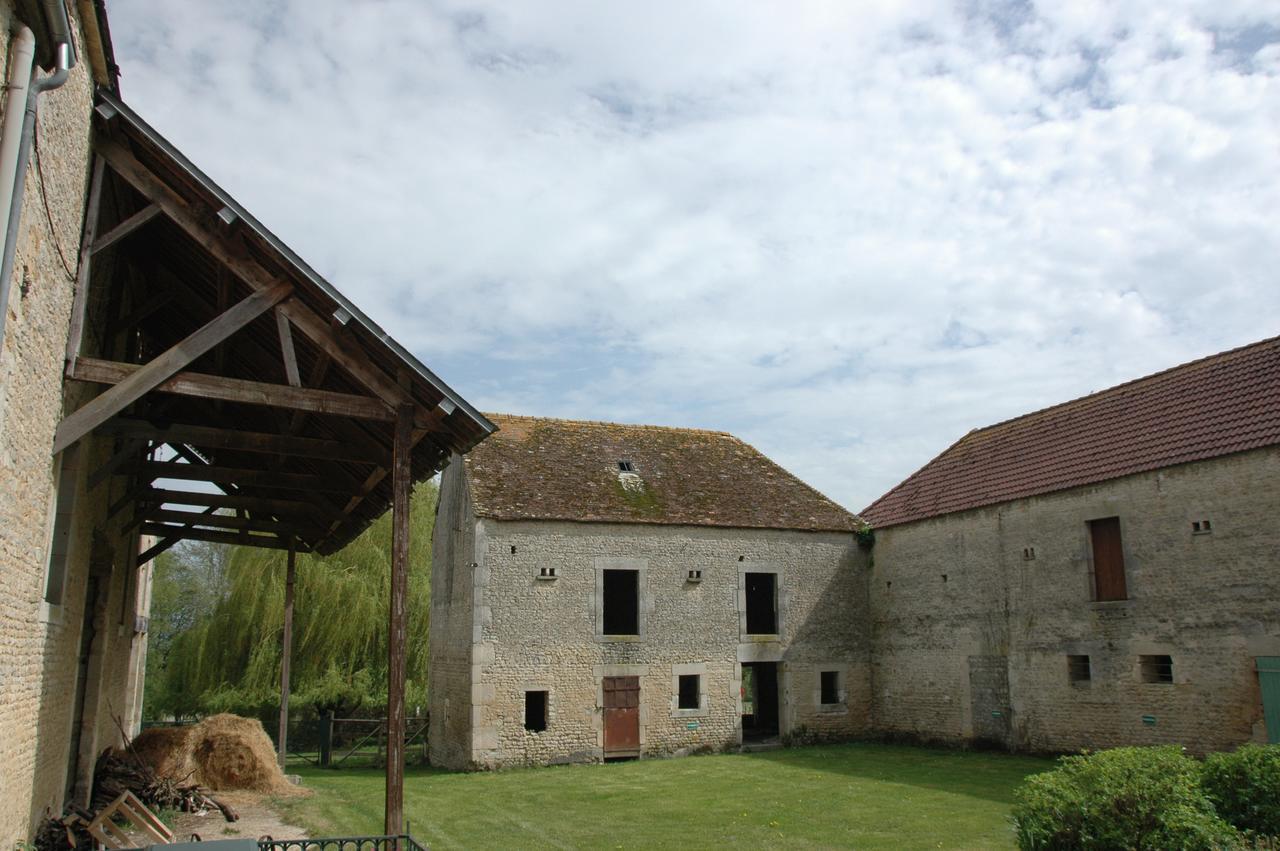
<point>221,752</point>
<point>231,752</point>
<point>166,751</point>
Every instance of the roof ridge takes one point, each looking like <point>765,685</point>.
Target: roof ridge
<point>530,418</point>
<point>1150,377</point>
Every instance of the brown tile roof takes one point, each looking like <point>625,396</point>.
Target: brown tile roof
<point>549,469</point>
<point>1225,403</point>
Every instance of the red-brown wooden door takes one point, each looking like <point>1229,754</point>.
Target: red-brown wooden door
<point>621,716</point>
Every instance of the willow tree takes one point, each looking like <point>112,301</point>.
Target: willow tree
<point>230,660</point>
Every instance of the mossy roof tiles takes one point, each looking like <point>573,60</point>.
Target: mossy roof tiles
<point>536,468</point>
<point>1218,405</point>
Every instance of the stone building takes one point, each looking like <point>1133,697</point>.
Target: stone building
<point>606,590</point>
<point>1102,572</point>
<point>73,610</point>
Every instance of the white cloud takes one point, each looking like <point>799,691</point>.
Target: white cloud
<point>848,235</point>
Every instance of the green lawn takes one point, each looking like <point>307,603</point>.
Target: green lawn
<point>857,795</point>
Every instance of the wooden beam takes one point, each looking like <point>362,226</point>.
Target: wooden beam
<point>221,521</point>
<point>311,324</point>
<point>271,542</point>
<point>286,350</point>
<point>318,371</point>
<point>115,463</point>
<point>125,228</point>
<point>286,652</point>
<point>371,481</point>
<point>80,302</point>
<point>266,505</point>
<point>239,390</point>
<point>156,549</point>
<point>402,483</point>
<point>209,437</point>
<point>116,398</point>
<point>240,476</point>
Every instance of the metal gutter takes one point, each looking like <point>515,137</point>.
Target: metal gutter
<point>345,305</point>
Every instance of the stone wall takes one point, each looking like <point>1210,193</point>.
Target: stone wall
<point>533,633</point>
<point>40,644</point>
<point>968,603</point>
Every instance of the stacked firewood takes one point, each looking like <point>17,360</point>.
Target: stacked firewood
<point>119,771</point>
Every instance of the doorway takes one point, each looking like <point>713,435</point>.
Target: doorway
<point>759,700</point>
<point>621,717</point>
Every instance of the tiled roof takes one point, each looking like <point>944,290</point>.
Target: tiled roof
<point>1225,403</point>
<point>550,469</point>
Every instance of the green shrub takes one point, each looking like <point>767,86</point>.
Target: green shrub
<point>1245,787</point>
<point>1126,798</point>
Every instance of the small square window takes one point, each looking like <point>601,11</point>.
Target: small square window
<point>1156,668</point>
<point>535,711</point>
<point>1078,669</point>
<point>1028,553</point>
<point>626,467</point>
<point>830,687</point>
<point>695,575</point>
<point>1201,527</point>
<point>690,688</point>
<point>546,573</point>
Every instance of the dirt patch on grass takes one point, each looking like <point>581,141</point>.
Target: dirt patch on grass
<point>257,819</point>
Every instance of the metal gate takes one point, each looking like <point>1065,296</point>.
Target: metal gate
<point>621,717</point>
<point>1269,680</point>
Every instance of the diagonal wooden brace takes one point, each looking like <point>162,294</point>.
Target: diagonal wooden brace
<point>114,400</point>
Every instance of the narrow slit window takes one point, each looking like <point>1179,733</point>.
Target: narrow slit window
<point>621,602</point>
<point>1108,559</point>
<point>1079,669</point>
<point>1156,668</point>
<point>690,691</point>
<point>829,687</point>
<point>535,711</point>
<point>762,603</point>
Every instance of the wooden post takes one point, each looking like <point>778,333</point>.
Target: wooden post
<point>401,482</point>
<point>287,651</point>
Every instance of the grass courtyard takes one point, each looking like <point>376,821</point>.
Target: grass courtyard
<point>855,795</point>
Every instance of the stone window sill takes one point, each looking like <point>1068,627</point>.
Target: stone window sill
<point>620,639</point>
<point>701,712</point>
<point>833,708</point>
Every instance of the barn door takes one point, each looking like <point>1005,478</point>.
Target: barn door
<point>621,717</point>
<point>1269,679</point>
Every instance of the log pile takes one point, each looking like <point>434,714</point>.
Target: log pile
<point>118,771</point>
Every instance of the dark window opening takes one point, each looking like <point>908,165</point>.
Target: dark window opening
<point>1078,669</point>
<point>688,698</point>
<point>1201,527</point>
<point>621,602</point>
<point>830,683</point>
<point>762,615</point>
<point>626,467</point>
<point>535,711</point>
<point>1156,669</point>
<point>1108,559</point>
<point>695,576</point>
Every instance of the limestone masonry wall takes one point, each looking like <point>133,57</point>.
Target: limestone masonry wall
<point>531,633</point>
<point>42,751</point>
<point>971,634</point>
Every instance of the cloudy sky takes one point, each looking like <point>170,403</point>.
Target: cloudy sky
<point>846,232</point>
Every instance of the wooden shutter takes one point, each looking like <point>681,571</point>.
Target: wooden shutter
<point>1108,559</point>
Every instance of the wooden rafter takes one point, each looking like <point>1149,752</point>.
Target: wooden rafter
<point>148,377</point>
<point>80,301</point>
<point>221,521</point>
<point>269,505</point>
<point>205,386</point>
<point>125,228</point>
<point>161,530</point>
<point>307,482</point>
<point>209,437</point>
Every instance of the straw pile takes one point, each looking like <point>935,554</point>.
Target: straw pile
<point>221,752</point>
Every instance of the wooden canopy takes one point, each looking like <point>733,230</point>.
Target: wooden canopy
<point>209,336</point>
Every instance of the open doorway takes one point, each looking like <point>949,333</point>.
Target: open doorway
<point>759,701</point>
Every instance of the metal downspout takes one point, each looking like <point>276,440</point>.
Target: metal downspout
<point>57,15</point>
<point>22,51</point>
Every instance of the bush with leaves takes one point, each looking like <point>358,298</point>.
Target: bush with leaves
<point>1245,787</point>
<point>1126,798</point>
